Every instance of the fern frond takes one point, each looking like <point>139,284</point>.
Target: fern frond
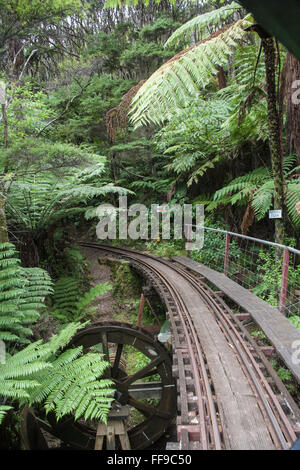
<point>202,170</point>
<point>70,303</point>
<point>262,199</point>
<point>3,410</point>
<point>292,198</point>
<point>200,24</point>
<point>168,89</point>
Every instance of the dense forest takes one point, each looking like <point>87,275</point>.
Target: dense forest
<point>188,102</point>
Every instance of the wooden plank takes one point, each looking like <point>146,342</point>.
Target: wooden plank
<point>280,332</point>
<point>243,425</point>
<point>99,442</point>
<point>110,438</point>
<point>242,422</point>
<point>123,436</point>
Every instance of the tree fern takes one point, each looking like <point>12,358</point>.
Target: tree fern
<point>292,197</point>
<point>3,410</point>
<point>246,95</point>
<point>22,292</point>
<point>203,24</point>
<point>34,203</point>
<point>257,189</point>
<point>197,139</point>
<point>240,188</point>
<point>33,374</point>
<point>84,305</point>
<point>169,88</point>
<point>67,292</point>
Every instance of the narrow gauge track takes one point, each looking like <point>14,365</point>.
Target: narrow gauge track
<point>200,424</point>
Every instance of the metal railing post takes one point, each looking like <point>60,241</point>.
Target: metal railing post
<point>226,258</point>
<point>141,311</point>
<point>284,280</point>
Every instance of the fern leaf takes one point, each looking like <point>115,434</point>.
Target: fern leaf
<point>203,24</point>
<point>166,92</point>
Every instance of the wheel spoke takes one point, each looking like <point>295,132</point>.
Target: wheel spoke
<point>114,371</point>
<point>106,353</point>
<point>144,372</point>
<point>146,409</point>
<point>154,401</point>
<point>148,374</point>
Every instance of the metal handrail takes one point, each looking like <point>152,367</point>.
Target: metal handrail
<point>245,237</point>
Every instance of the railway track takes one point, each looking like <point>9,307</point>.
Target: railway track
<point>203,420</point>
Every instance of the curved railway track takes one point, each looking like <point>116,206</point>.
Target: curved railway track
<point>205,419</point>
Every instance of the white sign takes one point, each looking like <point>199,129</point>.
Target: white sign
<point>276,214</point>
<point>160,208</point>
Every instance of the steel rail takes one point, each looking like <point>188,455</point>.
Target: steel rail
<point>189,331</point>
<point>281,429</point>
<point>247,359</point>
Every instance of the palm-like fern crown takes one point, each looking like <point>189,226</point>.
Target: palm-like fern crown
<point>170,88</point>
<point>257,188</point>
<point>34,203</point>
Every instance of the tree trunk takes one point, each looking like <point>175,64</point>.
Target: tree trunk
<point>290,93</point>
<point>268,45</point>
<point>3,224</point>
<point>5,125</point>
<point>222,83</point>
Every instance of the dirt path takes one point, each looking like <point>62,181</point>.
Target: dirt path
<point>106,305</point>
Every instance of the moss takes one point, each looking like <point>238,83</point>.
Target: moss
<point>126,285</point>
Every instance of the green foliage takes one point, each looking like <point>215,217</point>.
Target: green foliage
<point>69,301</point>
<point>258,334</point>
<point>212,253</point>
<point>65,298</point>
<point>35,155</point>
<point>27,114</point>
<point>148,55</point>
<point>167,248</point>
<point>85,118</point>
<point>295,320</point>
<point>269,268</point>
<point>29,10</point>
<point>196,140</point>
<point>36,202</point>
<point>257,188</point>
<point>204,24</point>
<point>84,303</point>
<point>283,373</point>
<point>22,294</point>
<point>162,25</point>
<point>65,381</point>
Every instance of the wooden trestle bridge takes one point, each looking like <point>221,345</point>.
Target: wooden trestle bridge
<point>215,385</point>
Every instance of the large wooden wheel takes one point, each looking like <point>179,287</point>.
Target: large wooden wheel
<point>149,391</point>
